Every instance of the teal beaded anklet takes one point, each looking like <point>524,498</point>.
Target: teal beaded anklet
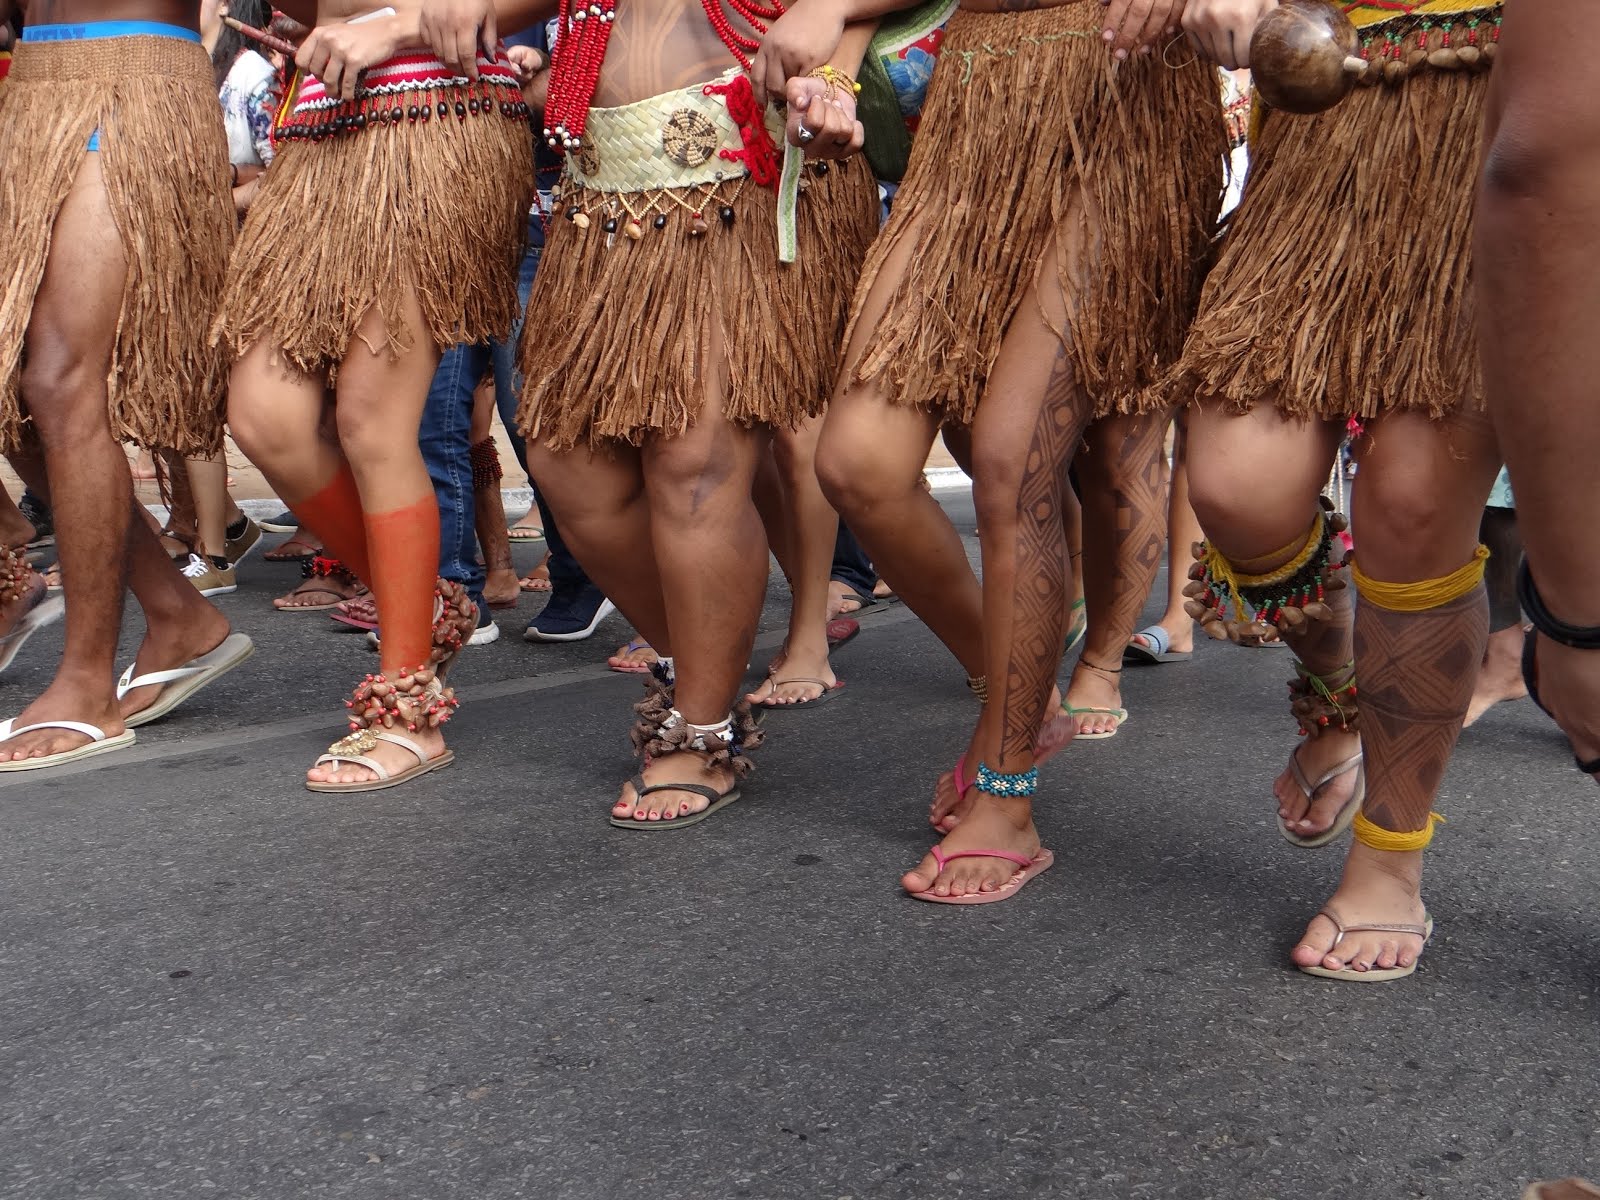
<point>1025,783</point>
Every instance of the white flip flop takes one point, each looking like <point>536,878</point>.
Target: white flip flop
<point>179,683</point>
<point>98,743</point>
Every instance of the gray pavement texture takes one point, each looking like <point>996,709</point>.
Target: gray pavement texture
<point>215,983</point>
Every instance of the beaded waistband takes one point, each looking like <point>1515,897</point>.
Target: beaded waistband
<point>411,87</point>
<point>682,139</point>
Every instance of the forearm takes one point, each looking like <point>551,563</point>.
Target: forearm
<point>852,48</point>
<point>513,16</point>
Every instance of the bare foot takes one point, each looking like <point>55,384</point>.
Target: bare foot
<point>321,592</point>
<point>1180,634</point>
<point>805,676</point>
<point>164,649</point>
<point>1093,687</point>
<point>882,591</point>
<point>61,702</point>
<point>15,529</point>
<point>394,759</point>
<point>501,588</point>
<point>989,823</point>
<point>538,579</point>
<point>687,766</point>
<point>1500,677</point>
<point>950,796</point>
<point>529,526</point>
<point>1317,756</point>
<point>1380,887</point>
<point>842,601</point>
<point>634,658</point>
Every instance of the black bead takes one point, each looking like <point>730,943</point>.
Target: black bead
<point>395,114</point>
<point>661,221</point>
<point>444,109</point>
<point>411,112</point>
<point>822,168</point>
<point>726,213</point>
<point>361,120</point>
<point>472,105</point>
<point>572,212</point>
<point>461,110</point>
<point>610,225</point>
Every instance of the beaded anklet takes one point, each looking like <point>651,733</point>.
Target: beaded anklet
<point>1322,705</point>
<point>662,730</point>
<point>14,575</point>
<point>1025,783</point>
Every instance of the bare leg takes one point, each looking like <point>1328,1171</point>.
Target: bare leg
<point>500,586</point>
<point>1254,484</point>
<point>1183,531</point>
<point>1027,428</point>
<point>870,462</point>
<point>809,526</point>
<point>208,484</point>
<point>1500,677</point>
<point>15,529</point>
<point>1121,471</point>
<point>1537,269</point>
<point>1415,513</point>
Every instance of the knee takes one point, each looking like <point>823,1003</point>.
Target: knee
<point>854,482</point>
<point>261,433</point>
<point>367,432</point>
<point>65,395</point>
<point>997,485</point>
<point>1409,526</point>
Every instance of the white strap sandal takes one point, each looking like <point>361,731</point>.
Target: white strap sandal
<point>356,748</point>
<point>179,683</point>
<point>98,743</point>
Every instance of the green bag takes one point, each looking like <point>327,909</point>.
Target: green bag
<point>879,107</point>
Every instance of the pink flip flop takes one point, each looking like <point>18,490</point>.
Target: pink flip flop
<point>1028,868</point>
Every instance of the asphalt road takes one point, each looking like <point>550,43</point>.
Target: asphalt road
<point>215,983</point>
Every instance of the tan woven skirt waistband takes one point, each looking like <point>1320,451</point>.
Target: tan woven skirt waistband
<point>109,59</point>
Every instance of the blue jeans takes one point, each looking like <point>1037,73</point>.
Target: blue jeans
<point>446,438</point>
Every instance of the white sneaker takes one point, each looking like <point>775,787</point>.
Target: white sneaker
<point>210,579</point>
<point>481,636</point>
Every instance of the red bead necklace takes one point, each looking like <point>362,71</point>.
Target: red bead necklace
<point>583,31</point>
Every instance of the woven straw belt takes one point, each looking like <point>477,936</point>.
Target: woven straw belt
<point>673,140</point>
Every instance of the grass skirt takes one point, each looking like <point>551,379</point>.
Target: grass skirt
<point>627,338</point>
<point>164,158</point>
<point>355,220</point>
<point>1032,137</point>
<point>1343,285</point>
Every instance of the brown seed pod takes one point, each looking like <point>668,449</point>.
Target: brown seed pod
<point>1197,610</point>
<point>1304,56</point>
<point>1195,590</point>
<point>1198,549</point>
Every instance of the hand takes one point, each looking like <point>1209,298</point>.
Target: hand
<point>1221,29</point>
<point>822,119</point>
<point>1137,25</point>
<point>801,40</point>
<point>337,54</point>
<point>533,72</point>
<point>456,30</point>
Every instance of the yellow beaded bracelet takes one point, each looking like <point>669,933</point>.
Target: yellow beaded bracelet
<point>836,79</point>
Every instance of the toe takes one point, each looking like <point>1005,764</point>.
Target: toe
<point>1313,949</point>
<point>921,877</point>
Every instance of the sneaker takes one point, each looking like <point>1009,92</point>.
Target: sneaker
<point>486,632</point>
<point>284,522</point>
<point>243,536</point>
<point>571,615</point>
<point>41,518</point>
<point>211,576</point>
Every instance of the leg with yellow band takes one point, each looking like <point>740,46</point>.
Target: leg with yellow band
<point>1417,645</point>
<point>1297,595</point>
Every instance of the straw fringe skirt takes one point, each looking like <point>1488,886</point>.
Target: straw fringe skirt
<point>355,222</point>
<point>630,340</point>
<point>1343,284</point>
<point>1034,138</point>
<point>164,159</point>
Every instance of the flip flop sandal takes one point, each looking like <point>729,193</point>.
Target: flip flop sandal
<point>360,612</point>
<point>1080,628</point>
<point>632,668</point>
<point>291,551</point>
<point>827,694</point>
<point>354,750</point>
<point>334,600</point>
<point>841,630</point>
<point>525,533</point>
<point>864,602</point>
<point>1347,814</point>
<point>1379,975</point>
<point>47,611</point>
<point>1121,714</point>
<point>98,743</point>
<point>178,684</point>
<point>718,800</point>
<point>1158,651</point>
<point>1027,869</point>
<point>533,583</point>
